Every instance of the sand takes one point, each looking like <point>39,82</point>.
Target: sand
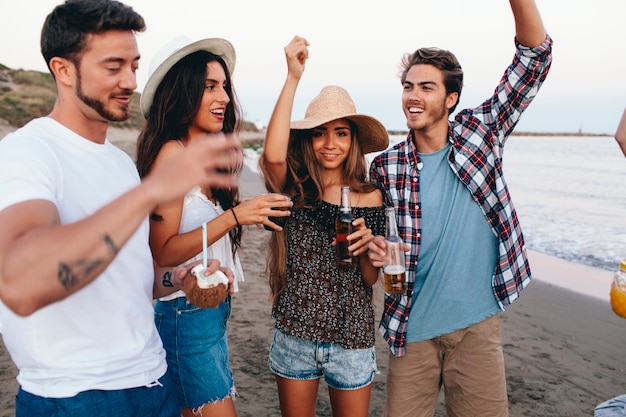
<point>565,349</point>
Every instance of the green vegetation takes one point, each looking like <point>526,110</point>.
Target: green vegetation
<point>25,95</point>
<point>252,145</point>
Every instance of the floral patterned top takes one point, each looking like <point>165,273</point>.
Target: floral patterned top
<point>323,303</point>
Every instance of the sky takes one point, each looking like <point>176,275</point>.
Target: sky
<point>358,44</point>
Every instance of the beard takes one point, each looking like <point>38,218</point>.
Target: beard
<point>99,105</point>
<point>435,116</point>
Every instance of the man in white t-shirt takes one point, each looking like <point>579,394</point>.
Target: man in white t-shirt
<point>76,272</point>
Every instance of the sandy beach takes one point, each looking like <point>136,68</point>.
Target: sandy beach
<point>565,349</point>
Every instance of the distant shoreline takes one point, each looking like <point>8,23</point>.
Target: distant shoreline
<point>258,138</point>
<point>559,134</point>
<point>251,137</point>
<point>515,133</point>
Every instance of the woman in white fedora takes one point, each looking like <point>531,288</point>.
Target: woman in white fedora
<point>324,315</point>
<point>189,97</point>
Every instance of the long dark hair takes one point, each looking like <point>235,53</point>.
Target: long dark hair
<point>176,102</point>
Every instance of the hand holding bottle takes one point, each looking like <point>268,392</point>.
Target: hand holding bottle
<point>394,267</point>
<point>343,228</point>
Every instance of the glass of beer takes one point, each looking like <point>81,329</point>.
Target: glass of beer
<point>278,220</point>
<point>394,268</point>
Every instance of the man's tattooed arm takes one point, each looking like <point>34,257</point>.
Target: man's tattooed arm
<point>72,275</point>
<point>111,245</point>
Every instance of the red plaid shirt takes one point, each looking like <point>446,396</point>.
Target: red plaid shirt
<point>477,136</point>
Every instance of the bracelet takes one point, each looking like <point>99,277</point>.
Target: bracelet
<point>235,216</point>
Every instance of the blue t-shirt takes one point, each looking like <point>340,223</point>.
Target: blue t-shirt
<point>457,259</point>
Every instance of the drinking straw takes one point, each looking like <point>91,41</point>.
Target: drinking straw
<point>204,246</point>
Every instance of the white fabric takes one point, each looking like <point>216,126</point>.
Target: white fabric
<point>197,209</point>
<point>103,336</point>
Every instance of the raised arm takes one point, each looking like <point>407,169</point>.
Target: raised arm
<point>620,134</point>
<point>274,158</point>
<point>529,29</point>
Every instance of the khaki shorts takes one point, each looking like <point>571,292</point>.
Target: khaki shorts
<point>469,363</point>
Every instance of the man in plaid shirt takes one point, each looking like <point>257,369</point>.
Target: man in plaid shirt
<point>454,211</point>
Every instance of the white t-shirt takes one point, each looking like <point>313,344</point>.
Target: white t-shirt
<point>103,336</point>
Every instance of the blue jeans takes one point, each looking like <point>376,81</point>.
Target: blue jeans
<point>154,401</point>
<point>615,407</point>
<point>344,369</point>
<point>196,347</point>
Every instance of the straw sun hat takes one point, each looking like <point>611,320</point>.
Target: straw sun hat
<point>334,103</point>
<point>174,51</point>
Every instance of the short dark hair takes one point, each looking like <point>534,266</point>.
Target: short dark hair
<point>441,59</point>
<point>65,30</point>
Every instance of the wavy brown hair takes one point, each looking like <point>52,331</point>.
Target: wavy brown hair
<point>176,102</point>
<point>304,183</point>
<point>441,59</point>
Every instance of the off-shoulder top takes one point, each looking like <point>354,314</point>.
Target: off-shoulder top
<point>322,302</point>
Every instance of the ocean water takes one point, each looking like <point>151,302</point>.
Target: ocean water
<point>569,193</point>
<point>570,196</point>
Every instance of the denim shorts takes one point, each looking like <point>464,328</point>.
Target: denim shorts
<point>196,345</point>
<point>344,369</point>
<point>158,400</point>
<point>612,408</point>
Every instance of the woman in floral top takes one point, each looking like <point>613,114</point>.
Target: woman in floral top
<point>324,315</point>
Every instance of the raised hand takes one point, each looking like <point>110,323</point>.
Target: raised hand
<point>297,53</point>
<point>213,161</point>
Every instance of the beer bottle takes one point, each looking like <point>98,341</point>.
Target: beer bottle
<point>344,227</point>
<point>394,268</point>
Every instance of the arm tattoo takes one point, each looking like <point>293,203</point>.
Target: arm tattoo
<point>66,277</point>
<point>167,279</point>
<point>70,275</point>
<point>109,242</point>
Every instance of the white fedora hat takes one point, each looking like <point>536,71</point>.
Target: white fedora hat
<point>174,51</point>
